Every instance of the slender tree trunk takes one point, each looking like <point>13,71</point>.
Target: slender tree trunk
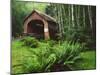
<point>90,18</point>
<point>72,10</point>
<point>84,16</point>
<point>78,16</point>
<point>69,17</point>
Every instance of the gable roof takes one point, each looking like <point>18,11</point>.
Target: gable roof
<point>43,15</point>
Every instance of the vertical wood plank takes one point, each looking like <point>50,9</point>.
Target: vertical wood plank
<point>46,30</point>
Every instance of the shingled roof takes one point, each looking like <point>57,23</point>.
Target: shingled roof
<point>43,15</point>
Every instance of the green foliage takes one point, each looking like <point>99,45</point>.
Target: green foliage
<point>88,56</point>
<point>30,42</point>
<point>88,61</point>
<point>67,53</point>
<point>44,57</point>
<point>19,10</point>
<point>76,22</point>
<point>30,55</point>
<point>31,63</point>
<point>78,30</point>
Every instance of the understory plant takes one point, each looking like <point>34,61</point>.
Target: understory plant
<point>30,42</point>
<point>47,56</point>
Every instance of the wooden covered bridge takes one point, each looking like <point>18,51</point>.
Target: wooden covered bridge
<point>40,25</point>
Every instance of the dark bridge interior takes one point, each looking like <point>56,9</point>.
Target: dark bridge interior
<point>36,28</point>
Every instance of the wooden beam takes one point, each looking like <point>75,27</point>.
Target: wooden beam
<point>46,30</point>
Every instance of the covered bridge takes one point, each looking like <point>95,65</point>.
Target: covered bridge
<point>40,25</point>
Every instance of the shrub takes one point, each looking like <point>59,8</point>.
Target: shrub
<point>67,53</point>
<point>64,53</point>
<point>46,55</point>
<point>40,60</point>
<point>30,42</point>
<point>31,64</point>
